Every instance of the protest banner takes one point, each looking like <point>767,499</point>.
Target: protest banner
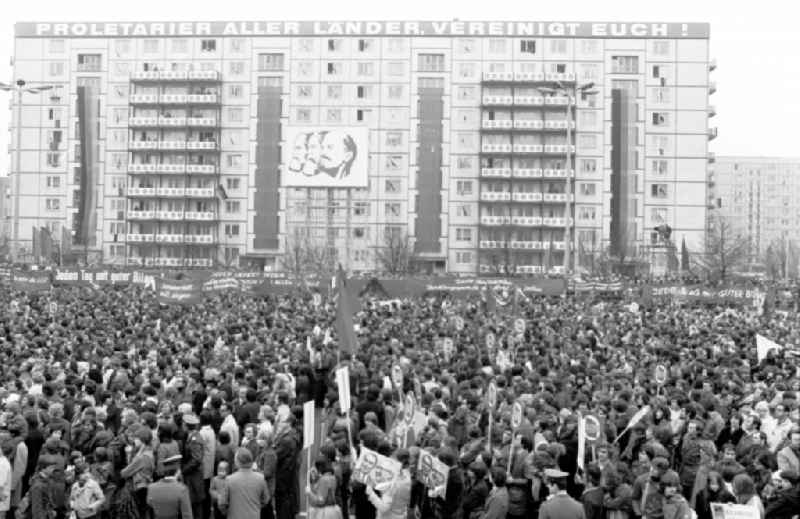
<point>734,511</point>
<point>30,281</point>
<point>433,474</point>
<point>734,295</point>
<point>374,470</point>
<point>181,292</point>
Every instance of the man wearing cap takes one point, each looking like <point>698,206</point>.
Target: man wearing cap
<point>560,505</point>
<point>193,464</point>
<point>168,497</point>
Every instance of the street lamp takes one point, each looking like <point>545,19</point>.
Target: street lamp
<point>585,89</point>
<point>20,87</point>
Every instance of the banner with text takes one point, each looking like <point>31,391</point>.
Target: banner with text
<point>697,293</point>
<point>178,291</point>
<point>30,281</point>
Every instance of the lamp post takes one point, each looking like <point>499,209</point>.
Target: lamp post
<point>585,89</point>
<point>20,87</point>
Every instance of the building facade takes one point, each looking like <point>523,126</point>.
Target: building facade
<point>481,147</point>
<point>759,198</point>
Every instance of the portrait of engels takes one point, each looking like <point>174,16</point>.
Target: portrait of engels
<point>330,152</point>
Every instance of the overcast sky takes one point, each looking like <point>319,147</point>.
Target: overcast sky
<point>756,44</point>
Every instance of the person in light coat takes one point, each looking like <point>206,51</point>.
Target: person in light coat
<point>5,479</point>
<point>395,497</point>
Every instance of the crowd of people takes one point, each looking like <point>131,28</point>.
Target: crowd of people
<point>114,406</point>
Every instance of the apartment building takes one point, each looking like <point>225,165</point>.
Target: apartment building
<point>491,146</point>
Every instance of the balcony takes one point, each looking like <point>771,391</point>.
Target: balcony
<point>556,100</point>
<point>495,148</point>
<point>200,239</point>
<point>528,148</point>
<point>203,122</point>
<point>205,216</point>
<point>527,221</point>
<point>529,100</point>
<point>199,262</point>
<point>140,238</point>
<point>172,122</point>
<point>495,220</point>
<point>558,173</point>
<point>141,191</point>
<point>558,269</point>
<point>143,99</point>
<point>527,197</point>
<point>528,124</point>
<point>491,244</point>
<point>134,260</point>
<point>171,169</point>
<point>201,169</point>
<point>712,87</point>
<point>498,100</point>
<point>172,99</point>
<point>496,172</point>
<point>143,145</point>
<point>202,99</point>
<point>525,244</point>
<point>201,145</point>
<point>169,238</point>
<point>173,75</point>
<point>141,215</point>
<point>172,145</point>
<point>496,196</point>
<point>498,76</point>
<point>145,75</point>
<point>558,148</point>
<point>200,192</point>
<point>554,222</point>
<point>497,124</point>
<point>562,124</point>
<point>712,133</point>
<point>557,245</point>
<point>168,262</point>
<point>554,197</point>
<point>712,110</point>
<point>527,173</point>
<point>532,77</point>
<point>170,192</point>
<point>204,75</point>
<point>169,215</point>
<point>563,77</point>
<point>142,168</point>
<point>529,269</point>
<point>138,122</point>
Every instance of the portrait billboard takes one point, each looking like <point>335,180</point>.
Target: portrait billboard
<point>334,156</point>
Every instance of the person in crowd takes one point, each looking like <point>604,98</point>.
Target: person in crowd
<point>217,488</point>
<point>395,497</point>
<point>714,491</point>
<point>141,467</point>
<point>5,479</point>
<point>497,502</point>
<point>785,502</point>
<point>745,491</point>
<point>321,493</point>
<point>192,458</point>
<point>168,498</point>
<point>245,492</point>
<point>86,498</point>
<point>560,505</point>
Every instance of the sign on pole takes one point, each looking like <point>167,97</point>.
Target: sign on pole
<point>373,469</point>
<point>53,307</point>
<point>343,384</point>
<point>308,424</point>
<point>397,377</point>
<point>491,396</point>
<point>519,326</point>
<point>317,299</point>
<point>491,340</point>
<point>516,415</point>
<point>459,323</point>
<point>433,474</point>
<point>661,374</point>
<point>410,408</point>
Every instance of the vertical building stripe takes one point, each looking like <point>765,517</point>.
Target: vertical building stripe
<point>429,177</point>
<point>268,158</point>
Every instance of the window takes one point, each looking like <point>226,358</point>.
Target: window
<point>658,190</point>
<point>466,93</point>
<point>589,46</point>
<point>392,186</point>
<point>53,181</point>
<point>334,69</point>
<point>558,46</point>
<point>363,92</point>
<point>661,47</point>
<point>588,165</point>
<point>365,45</point>
<point>431,62</point>
<point>395,68</point>
<point>394,139</point>
<point>466,46</point>
<point>587,213</point>
<point>235,115</point>
<point>395,45</point>
<point>236,68</point>
<point>150,46</point>
<point>270,61</point>
<point>527,46</point>
<point>660,95</point>
<point>305,91</point>
<point>303,114</point>
<point>363,115</point>
<point>208,45</point>
<point>179,46</point>
<point>116,228</point>
<point>56,68</point>
<point>463,234</point>
<point>463,257</point>
<point>122,47</point>
<point>588,72</point>
<point>335,45</point>
<point>395,91</point>
<point>333,115</point>
<point>52,204</point>
<point>89,62</point>
<point>464,162</point>
<point>234,160</point>
<point>658,215</point>
<point>659,167</point>
<point>232,229</point>
<point>587,141</point>
<point>393,162</point>
<point>466,69</point>
<point>625,64</point>
<point>497,46</point>
<point>361,209</point>
<point>464,187</point>
<point>235,91</point>
<point>366,68</point>
<point>232,184</point>
<point>588,188</point>
<point>660,119</point>
<point>55,46</point>
<point>233,206</point>
<point>393,209</point>
<point>53,159</point>
<point>464,211</point>
<point>587,118</point>
<point>334,91</point>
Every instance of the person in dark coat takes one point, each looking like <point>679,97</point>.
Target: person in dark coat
<point>193,464</point>
<point>34,441</point>
<point>287,449</point>
<point>371,405</point>
<point>786,502</point>
<point>477,490</point>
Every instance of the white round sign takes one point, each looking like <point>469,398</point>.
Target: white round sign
<point>53,307</point>
<point>516,415</point>
<point>459,323</point>
<point>397,376</point>
<point>491,341</point>
<point>661,374</point>
<point>491,395</point>
<point>410,408</point>
<point>519,326</point>
<point>317,298</point>
<point>591,428</point>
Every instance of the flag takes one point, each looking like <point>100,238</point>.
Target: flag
<point>46,244</point>
<point>491,300</point>
<point>764,346</point>
<point>636,418</point>
<point>221,193</point>
<point>344,314</point>
<point>684,256</point>
<point>37,246</point>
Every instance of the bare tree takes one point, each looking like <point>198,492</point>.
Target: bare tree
<point>304,257</point>
<point>394,257</point>
<point>780,259</point>
<point>723,249</point>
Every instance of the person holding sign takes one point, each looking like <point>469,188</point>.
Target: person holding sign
<point>322,492</point>
<point>395,497</point>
